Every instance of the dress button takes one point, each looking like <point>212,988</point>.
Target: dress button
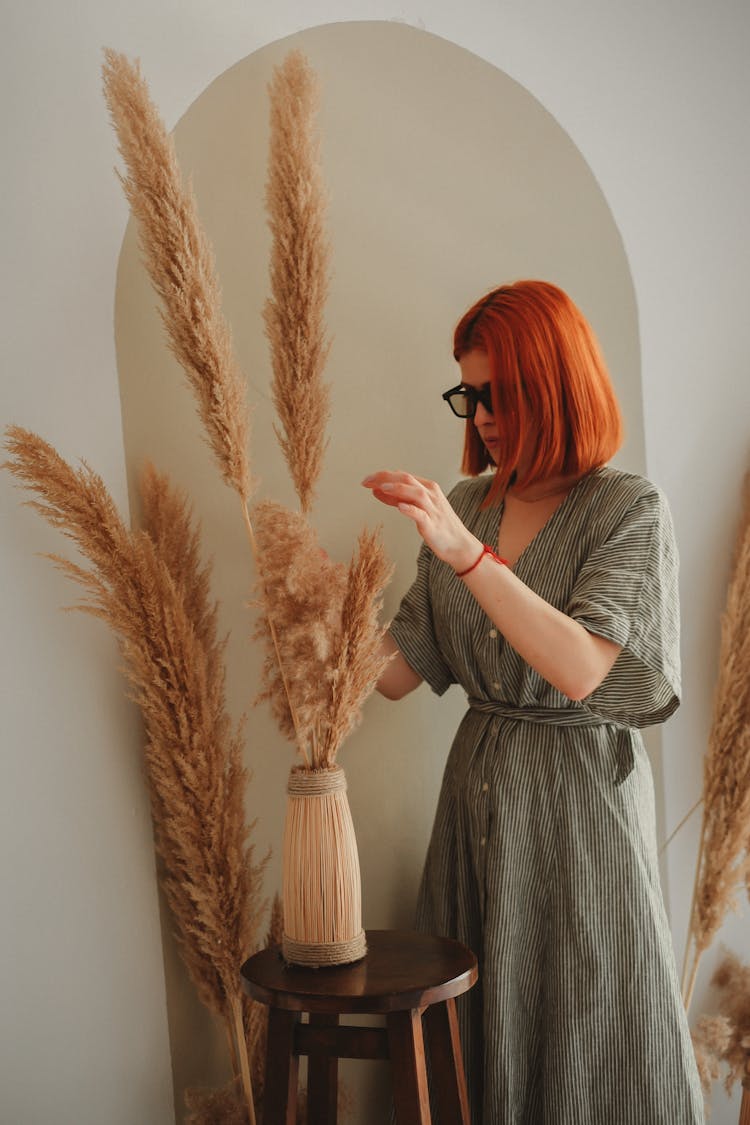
<point>485,787</point>
<point>493,633</point>
<point>483,841</point>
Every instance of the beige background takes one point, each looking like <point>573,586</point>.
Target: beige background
<point>650,94</point>
<point>445,178</point>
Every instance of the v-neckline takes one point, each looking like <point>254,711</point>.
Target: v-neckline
<point>547,523</point>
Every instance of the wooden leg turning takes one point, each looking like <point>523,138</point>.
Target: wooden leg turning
<point>282,1067</point>
<point>322,1078</point>
<point>406,1048</point>
<point>447,1065</point>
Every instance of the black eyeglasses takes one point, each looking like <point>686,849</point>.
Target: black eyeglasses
<point>463,400</point>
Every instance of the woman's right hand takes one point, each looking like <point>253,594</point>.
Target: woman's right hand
<point>424,502</point>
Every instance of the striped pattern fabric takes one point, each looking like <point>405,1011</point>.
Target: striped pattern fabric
<point>543,855</point>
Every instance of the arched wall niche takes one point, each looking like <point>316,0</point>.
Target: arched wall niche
<point>446,177</point>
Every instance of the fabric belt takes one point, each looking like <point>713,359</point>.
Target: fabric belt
<point>562,717</point>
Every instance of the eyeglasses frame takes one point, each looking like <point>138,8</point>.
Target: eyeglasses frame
<point>472,396</point>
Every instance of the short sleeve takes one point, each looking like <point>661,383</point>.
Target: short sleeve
<point>413,629</point>
<point>627,592</point>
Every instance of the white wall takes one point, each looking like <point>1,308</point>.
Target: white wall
<point>650,94</point>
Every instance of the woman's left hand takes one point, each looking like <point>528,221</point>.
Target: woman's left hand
<point>424,502</point>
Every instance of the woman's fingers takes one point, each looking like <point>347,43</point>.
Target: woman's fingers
<point>397,488</point>
<point>417,497</point>
<point>412,511</point>
<point>386,497</point>
<point>423,502</point>
<point>391,479</point>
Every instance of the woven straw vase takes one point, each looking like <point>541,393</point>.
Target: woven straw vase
<point>321,886</point>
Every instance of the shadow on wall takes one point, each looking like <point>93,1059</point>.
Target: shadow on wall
<point>446,178</point>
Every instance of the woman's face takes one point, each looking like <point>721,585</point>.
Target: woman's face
<point>476,372</point>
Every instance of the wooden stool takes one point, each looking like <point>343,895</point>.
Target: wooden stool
<point>403,975</point>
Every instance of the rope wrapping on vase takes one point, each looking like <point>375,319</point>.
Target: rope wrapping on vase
<point>318,955</point>
<point>315,783</point>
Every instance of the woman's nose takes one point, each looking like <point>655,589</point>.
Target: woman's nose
<point>481,415</point>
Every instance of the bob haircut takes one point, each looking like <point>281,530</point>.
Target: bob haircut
<point>548,377</point>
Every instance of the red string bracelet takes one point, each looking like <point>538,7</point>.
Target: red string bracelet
<point>486,550</point>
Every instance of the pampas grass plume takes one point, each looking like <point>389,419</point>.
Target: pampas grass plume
<point>151,589</point>
<point>722,1041</point>
<point>180,263</point>
<point>326,618</point>
<point>295,201</point>
<point>724,860</point>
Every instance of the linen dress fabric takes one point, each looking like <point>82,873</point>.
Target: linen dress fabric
<point>543,855</point>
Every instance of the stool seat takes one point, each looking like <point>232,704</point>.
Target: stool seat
<point>401,969</point>
<point>403,976</point>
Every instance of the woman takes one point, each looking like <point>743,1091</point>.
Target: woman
<point>548,590</point>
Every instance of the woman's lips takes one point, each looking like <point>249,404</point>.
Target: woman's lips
<point>491,444</point>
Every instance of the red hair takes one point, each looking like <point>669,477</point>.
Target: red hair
<point>548,374</point>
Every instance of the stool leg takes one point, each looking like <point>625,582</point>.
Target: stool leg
<point>282,1067</point>
<point>406,1049</point>
<point>447,1064</point>
<point>322,1078</point>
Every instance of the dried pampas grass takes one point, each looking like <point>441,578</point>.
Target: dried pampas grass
<point>275,923</point>
<point>722,1042</point>
<point>149,586</point>
<point>732,982</point>
<point>357,655</point>
<point>711,1037</point>
<point>180,263</point>
<point>326,618</point>
<point>226,1106</point>
<point>319,618</point>
<point>723,865</point>
<point>302,592</point>
<point>215,1107</point>
<point>295,202</point>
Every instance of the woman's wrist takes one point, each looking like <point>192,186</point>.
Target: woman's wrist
<point>463,555</point>
<point>485,551</point>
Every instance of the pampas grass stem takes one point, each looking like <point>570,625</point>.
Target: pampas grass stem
<point>689,978</point>
<point>239,1032</point>
<point>723,862</point>
<point>681,825</point>
<point>745,1106</point>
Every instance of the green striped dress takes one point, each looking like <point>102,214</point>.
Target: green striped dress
<point>542,857</point>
